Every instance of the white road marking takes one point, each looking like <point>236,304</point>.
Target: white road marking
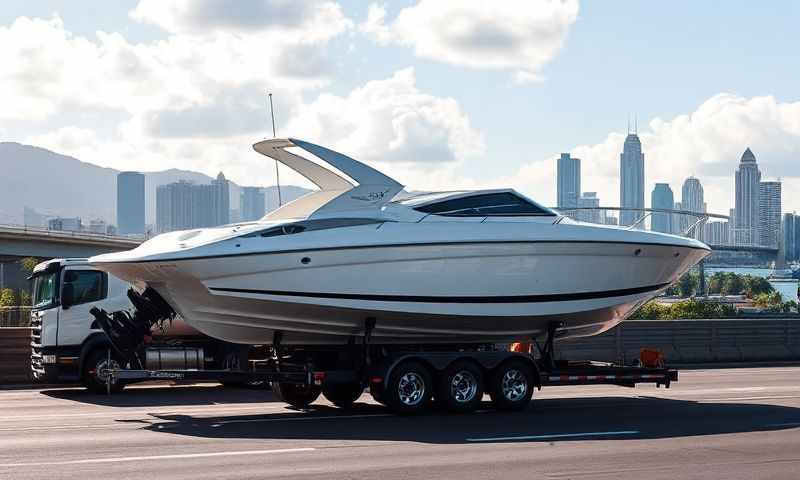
<point>160,457</point>
<point>739,399</point>
<point>553,435</point>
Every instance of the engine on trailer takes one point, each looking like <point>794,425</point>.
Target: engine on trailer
<point>126,331</point>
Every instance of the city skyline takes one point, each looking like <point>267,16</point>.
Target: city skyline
<point>206,104</point>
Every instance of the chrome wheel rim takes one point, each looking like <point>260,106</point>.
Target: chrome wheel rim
<point>411,389</point>
<point>104,365</point>
<point>463,387</point>
<point>514,385</point>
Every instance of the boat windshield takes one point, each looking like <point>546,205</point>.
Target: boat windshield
<point>45,289</point>
<point>480,205</point>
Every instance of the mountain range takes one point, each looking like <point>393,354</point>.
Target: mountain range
<point>52,184</point>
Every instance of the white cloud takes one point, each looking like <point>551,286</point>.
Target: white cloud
<point>516,35</point>
<point>309,21</point>
<point>706,143</point>
<point>390,121</point>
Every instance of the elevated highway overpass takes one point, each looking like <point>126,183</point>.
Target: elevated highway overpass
<point>19,241</point>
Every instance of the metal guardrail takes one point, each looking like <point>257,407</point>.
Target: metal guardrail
<point>691,341</point>
<point>15,316</point>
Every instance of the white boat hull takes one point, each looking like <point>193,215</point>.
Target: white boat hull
<point>418,293</point>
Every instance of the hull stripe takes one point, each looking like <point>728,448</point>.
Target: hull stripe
<point>412,244</point>
<point>558,297</point>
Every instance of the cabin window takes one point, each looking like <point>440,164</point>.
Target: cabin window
<point>489,204</point>
<point>83,286</point>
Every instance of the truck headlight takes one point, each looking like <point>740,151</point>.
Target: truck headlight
<point>48,359</point>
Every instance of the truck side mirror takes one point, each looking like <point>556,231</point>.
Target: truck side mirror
<point>67,295</point>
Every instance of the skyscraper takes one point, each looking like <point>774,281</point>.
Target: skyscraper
<point>589,201</point>
<point>568,188</point>
<point>692,195</point>
<point>663,198</point>
<point>631,174</point>
<point>252,201</point>
<point>789,238</point>
<point>183,205</point>
<point>130,203</point>
<point>716,233</point>
<point>748,180</point>
<point>769,213</point>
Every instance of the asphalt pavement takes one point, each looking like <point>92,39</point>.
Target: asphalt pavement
<point>712,424</point>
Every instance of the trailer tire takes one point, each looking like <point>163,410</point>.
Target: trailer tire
<point>511,386</point>
<point>461,387</point>
<point>96,360</point>
<point>296,395</point>
<point>343,395</point>
<point>409,388</point>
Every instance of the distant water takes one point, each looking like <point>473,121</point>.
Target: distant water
<point>788,289</point>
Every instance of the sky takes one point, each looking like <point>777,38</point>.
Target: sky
<point>439,94</point>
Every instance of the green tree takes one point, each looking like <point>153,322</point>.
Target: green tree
<point>28,263</point>
<point>25,298</point>
<point>7,298</point>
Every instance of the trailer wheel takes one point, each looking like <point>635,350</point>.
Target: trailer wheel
<point>343,395</point>
<point>461,387</point>
<point>95,362</point>
<point>409,388</point>
<point>512,386</point>
<point>296,395</point>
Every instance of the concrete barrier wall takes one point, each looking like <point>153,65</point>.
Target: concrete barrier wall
<point>682,341</point>
<point>15,355</point>
<point>691,341</point>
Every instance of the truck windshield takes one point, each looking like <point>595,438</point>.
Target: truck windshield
<point>45,291</point>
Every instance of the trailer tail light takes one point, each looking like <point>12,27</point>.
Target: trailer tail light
<point>376,380</point>
<point>318,378</point>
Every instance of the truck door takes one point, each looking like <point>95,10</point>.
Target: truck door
<point>80,290</point>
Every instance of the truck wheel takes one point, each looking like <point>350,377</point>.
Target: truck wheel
<point>94,363</point>
<point>512,386</point>
<point>409,388</point>
<point>343,395</point>
<point>461,387</point>
<point>299,396</point>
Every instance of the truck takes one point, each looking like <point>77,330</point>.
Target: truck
<point>67,346</point>
<point>405,378</point>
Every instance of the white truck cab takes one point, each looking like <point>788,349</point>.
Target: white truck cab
<point>67,345</point>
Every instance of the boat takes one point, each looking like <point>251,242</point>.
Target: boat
<point>422,268</point>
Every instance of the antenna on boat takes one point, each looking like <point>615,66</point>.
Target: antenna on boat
<point>277,172</point>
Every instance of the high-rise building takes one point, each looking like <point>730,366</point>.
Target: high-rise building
<point>662,198</point>
<point>692,200</point>
<point>716,233</point>
<point>568,188</point>
<point>253,204</point>
<point>790,245</point>
<point>183,205</point>
<point>589,202</point>
<point>692,195</point>
<point>679,221</point>
<point>748,180</point>
<point>130,203</point>
<point>631,174</point>
<point>769,213</point>
<point>72,224</point>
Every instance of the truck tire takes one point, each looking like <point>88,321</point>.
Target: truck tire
<point>461,387</point>
<point>298,396</point>
<point>94,362</point>
<point>343,395</point>
<point>409,388</point>
<point>511,386</point>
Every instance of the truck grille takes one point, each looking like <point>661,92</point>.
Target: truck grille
<point>37,365</point>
